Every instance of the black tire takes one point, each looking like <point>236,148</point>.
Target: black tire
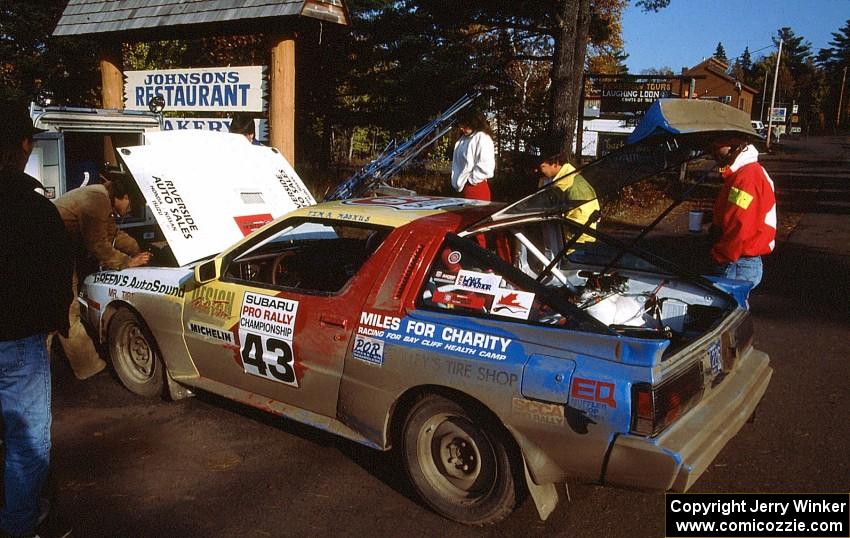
<point>135,356</point>
<point>459,465</point>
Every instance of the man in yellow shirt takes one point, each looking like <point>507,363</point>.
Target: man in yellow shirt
<point>561,174</point>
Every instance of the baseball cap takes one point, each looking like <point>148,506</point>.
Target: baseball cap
<point>15,123</point>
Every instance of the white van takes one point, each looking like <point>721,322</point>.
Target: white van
<point>79,144</point>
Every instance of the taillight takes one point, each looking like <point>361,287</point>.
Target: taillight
<point>655,408</point>
<point>736,341</point>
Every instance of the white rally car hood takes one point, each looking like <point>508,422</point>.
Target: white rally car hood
<point>208,190</point>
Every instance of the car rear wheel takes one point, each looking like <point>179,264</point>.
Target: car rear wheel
<point>458,465</point>
<point>134,354</point>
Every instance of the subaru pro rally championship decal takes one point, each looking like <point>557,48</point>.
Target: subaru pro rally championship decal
<point>266,326</point>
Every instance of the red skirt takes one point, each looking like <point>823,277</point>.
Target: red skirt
<point>481,191</point>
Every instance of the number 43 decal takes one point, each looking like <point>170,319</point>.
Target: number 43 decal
<point>268,357</point>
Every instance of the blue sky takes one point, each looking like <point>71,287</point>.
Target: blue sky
<point>686,31</point>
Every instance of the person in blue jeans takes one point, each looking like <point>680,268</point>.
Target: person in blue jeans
<point>36,264</point>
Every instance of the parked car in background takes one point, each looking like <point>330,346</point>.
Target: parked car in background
<point>487,345</point>
<point>760,128</point>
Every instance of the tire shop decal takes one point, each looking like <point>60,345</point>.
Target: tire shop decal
<point>266,327</point>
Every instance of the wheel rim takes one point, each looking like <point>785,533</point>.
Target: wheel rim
<point>456,458</point>
<point>135,354</point>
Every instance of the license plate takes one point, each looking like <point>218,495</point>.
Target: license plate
<point>715,357</point>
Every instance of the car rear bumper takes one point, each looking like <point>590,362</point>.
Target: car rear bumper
<point>675,459</point>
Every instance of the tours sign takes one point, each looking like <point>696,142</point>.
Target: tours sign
<point>220,89</point>
<point>632,97</point>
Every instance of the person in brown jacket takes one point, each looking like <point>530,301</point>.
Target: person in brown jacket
<point>89,216</point>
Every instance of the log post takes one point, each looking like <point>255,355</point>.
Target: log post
<point>282,96</point>
<point>112,93</point>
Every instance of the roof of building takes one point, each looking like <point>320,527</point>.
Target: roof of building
<point>86,17</point>
<point>719,69</point>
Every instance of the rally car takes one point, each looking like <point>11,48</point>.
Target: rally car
<point>498,349</point>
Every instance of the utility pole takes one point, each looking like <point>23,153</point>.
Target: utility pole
<point>683,170</point>
<point>763,98</point>
<point>841,99</point>
<point>773,97</point>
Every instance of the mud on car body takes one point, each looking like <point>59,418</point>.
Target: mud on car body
<point>492,369</point>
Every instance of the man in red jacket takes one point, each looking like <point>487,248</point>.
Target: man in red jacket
<point>744,213</point>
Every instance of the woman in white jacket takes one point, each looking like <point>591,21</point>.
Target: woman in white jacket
<point>474,158</point>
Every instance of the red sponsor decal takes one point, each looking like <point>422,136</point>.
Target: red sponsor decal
<point>595,391</point>
<point>463,299</point>
<point>510,301</point>
<point>249,223</point>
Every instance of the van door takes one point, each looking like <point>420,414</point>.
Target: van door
<point>47,163</point>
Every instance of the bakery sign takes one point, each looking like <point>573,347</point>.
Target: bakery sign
<point>220,89</point>
<point>635,97</point>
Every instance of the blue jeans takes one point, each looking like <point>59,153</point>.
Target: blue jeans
<point>25,404</point>
<point>746,268</point>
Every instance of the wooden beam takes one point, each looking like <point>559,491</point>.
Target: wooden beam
<point>282,96</point>
<point>112,92</point>
<point>112,95</point>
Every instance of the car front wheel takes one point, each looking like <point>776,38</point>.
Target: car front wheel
<point>458,465</point>
<point>134,354</point>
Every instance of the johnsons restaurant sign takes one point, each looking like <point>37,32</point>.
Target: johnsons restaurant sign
<point>221,89</point>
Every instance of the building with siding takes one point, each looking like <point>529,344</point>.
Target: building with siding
<point>718,85</point>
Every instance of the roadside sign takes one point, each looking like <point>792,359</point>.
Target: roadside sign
<point>778,114</point>
<point>794,109</point>
<point>635,97</point>
<point>220,89</point>
<point>261,125</point>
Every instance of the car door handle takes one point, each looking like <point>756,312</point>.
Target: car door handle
<point>333,321</point>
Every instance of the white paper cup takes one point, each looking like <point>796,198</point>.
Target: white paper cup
<point>695,221</point>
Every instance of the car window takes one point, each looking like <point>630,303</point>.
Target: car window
<point>307,255</point>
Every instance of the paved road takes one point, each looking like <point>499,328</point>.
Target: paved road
<point>204,467</point>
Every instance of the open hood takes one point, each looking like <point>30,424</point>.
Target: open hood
<point>672,131</point>
<point>207,190</point>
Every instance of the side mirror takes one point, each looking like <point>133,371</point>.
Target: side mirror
<point>207,271</point>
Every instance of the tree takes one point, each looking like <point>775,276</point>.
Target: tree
<point>605,52</point>
<point>798,76</point>
<point>571,32</point>
<point>33,63</point>
<point>746,63</point>
<point>834,60</point>
<point>720,53</point>
<point>665,70</point>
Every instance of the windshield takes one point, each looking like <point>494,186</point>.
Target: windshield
<point>309,256</point>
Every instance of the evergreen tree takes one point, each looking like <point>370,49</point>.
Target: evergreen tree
<point>834,60</point>
<point>798,77</point>
<point>746,63</point>
<point>720,53</point>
